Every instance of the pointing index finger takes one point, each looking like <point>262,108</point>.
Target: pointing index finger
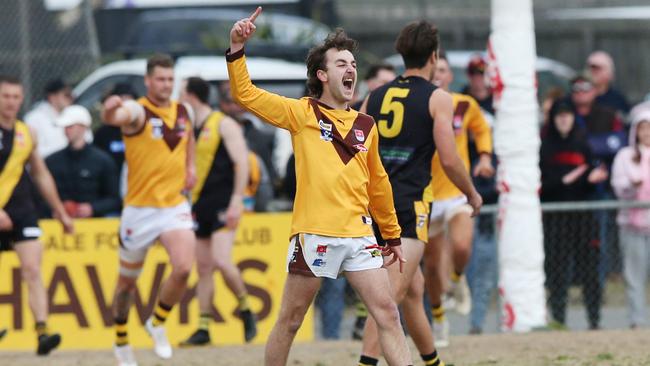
<point>255,14</point>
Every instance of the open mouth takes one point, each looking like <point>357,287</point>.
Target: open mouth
<point>348,83</point>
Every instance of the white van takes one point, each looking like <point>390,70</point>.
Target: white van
<point>278,76</point>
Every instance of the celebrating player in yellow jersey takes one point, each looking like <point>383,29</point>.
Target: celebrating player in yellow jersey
<point>450,213</point>
<point>414,120</point>
<point>160,156</point>
<point>18,219</point>
<point>340,179</point>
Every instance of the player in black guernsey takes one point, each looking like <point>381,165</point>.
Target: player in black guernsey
<point>405,110</point>
<point>19,229</point>
<point>217,198</point>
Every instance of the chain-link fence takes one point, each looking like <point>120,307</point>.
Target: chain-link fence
<point>584,268</point>
<point>38,45</point>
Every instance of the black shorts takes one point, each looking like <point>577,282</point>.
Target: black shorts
<point>25,228</point>
<point>208,224</point>
<point>413,219</point>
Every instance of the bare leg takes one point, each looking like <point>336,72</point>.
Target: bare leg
<point>180,248</point>
<point>222,242</point>
<point>399,283</point>
<point>205,269</point>
<point>415,316</point>
<point>433,275</point>
<point>30,254</point>
<point>461,230</point>
<point>374,288</point>
<point>299,292</point>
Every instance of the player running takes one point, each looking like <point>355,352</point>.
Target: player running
<point>414,119</point>
<point>339,177</point>
<point>18,218</point>
<point>451,220</point>
<point>217,197</point>
<point>159,151</point>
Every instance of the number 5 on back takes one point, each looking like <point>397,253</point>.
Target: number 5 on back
<point>388,105</point>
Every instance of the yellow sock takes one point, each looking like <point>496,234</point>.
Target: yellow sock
<point>244,305</point>
<point>438,313</point>
<point>160,313</point>
<point>204,321</point>
<point>121,335</point>
<point>41,328</point>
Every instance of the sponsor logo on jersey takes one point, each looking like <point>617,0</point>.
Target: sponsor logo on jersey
<point>20,138</point>
<point>157,128</point>
<point>361,147</point>
<point>325,131</point>
<point>366,220</point>
<point>359,135</point>
<point>321,250</point>
<point>318,262</point>
<point>422,220</point>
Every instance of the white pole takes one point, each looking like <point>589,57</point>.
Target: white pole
<point>511,53</point>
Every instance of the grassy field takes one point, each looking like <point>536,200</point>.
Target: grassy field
<point>601,348</point>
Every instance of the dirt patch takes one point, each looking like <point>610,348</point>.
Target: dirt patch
<point>602,348</point>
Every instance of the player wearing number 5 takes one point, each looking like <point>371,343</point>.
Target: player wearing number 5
<point>414,119</point>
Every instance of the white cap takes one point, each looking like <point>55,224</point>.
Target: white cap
<point>74,115</point>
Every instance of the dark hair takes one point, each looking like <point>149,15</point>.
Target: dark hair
<point>316,58</point>
<point>416,42</point>
<point>374,70</point>
<point>54,86</point>
<point>199,88</point>
<point>9,79</point>
<point>160,60</point>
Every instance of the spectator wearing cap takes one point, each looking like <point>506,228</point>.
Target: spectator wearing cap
<point>477,86</point>
<point>43,117</point>
<point>604,128</point>
<point>86,177</point>
<point>602,71</point>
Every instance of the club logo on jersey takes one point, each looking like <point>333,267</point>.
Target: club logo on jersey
<point>325,131</point>
<point>366,220</point>
<point>422,220</point>
<point>20,139</point>
<point>359,135</point>
<point>321,250</point>
<point>157,128</point>
<point>361,147</point>
<point>318,263</point>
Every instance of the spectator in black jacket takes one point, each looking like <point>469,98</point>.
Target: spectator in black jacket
<point>571,239</point>
<point>86,177</point>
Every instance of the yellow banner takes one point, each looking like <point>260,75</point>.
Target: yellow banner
<point>79,272</point>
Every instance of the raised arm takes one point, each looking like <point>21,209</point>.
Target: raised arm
<point>235,144</point>
<point>279,111</point>
<point>441,109</point>
<point>46,186</point>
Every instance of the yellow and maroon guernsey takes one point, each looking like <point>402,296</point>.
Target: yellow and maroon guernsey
<point>156,156</point>
<point>339,175</point>
<point>467,118</point>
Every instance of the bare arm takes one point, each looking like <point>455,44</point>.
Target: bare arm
<point>46,186</point>
<point>128,115</point>
<point>441,109</point>
<point>235,144</point>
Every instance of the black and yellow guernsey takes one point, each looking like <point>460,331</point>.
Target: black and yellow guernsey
<point>16,146</point>
<point>214,170</point>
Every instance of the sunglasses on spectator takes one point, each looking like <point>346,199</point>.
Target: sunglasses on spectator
<point>582,86</point>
